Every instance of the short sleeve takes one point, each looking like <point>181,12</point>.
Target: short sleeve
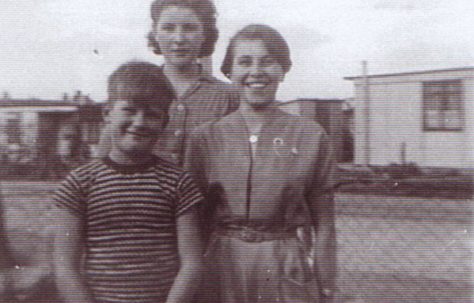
<point>195,158</point>
<point>188,194</point>
<point>325,172</point>
<point>70,196</point>
<point>234,101</point>
<point>321,194</point>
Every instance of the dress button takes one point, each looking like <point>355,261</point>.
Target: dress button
<point>180,107</point>
<point>253,139</point>
<point>178,132</point>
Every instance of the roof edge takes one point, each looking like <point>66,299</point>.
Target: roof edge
<point>412,73</point>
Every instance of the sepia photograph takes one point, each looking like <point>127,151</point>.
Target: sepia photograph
<point>252,151</point>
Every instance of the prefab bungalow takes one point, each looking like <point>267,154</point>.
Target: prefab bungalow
<point>420,117</point>
<point>335,115</point>
<point>33,130</point>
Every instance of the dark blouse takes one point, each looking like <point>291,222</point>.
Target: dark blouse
<point>209,99</point>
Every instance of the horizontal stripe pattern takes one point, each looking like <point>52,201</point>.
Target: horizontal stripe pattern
<point>130,219</point>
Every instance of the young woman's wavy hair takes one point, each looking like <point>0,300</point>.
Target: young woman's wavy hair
<point>271,38</point>
<point>205,11</point>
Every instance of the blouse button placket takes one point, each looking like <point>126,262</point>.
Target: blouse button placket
<point>180,107</point>
<point>180,124</point>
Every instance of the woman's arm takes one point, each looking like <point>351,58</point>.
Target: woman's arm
<point>195,162</point>
<point>322,209</point>
<point>190,251</point>
<point>67,255</point>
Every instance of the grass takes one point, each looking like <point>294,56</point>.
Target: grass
<point>392,249</point>
<point>407,181</point>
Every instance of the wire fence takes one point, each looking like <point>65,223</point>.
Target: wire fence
<point>390,249</point>
<point>394,249</point>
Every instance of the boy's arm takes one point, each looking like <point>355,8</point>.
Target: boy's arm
<point>190,251</point>
<point>67,255</point>
<point>68,207</point>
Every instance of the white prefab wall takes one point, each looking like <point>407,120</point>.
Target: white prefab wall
<point>395,123</point>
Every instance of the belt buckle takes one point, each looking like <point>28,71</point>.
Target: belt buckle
<point>248,235</point>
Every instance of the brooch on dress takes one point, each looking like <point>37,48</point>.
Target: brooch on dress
<point>278,142</point>
<point>281,149</point>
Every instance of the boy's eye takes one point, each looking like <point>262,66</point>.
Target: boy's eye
<point>167,27</point>
<point>130,110</point>
<point>244,61</point>
<point>156,115</point>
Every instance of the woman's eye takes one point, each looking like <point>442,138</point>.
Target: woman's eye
<point>268,61</point>
<point>190,27</point>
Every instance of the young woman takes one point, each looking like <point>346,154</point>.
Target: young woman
<point>183,32</point>
<point>266,174</point>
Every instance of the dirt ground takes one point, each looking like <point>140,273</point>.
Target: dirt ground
<point>391,249</point>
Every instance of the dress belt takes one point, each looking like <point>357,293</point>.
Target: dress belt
<point>247,234</point>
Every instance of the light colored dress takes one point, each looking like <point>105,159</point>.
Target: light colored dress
<point>256,202</point>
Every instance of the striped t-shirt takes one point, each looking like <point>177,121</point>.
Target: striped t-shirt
<point>129,215</point>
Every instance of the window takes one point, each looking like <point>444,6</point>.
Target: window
<point>13,129</point>
<point>443,105</point>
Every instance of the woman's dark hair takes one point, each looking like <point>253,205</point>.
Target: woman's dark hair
<point>142,83</point>
<point>271,38</point>
<point>205,11</point>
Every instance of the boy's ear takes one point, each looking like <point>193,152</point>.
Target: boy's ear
<point>282,78</point>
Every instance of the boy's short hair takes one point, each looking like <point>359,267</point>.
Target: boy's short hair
<point>142,83</point>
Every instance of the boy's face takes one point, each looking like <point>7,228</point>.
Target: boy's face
<point>133,130</point>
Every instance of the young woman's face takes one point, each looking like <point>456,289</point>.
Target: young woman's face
<point>256,72</point>
<point>180,35</point>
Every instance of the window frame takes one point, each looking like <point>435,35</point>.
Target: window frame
<point>449,88</point>
<point>13,128</point>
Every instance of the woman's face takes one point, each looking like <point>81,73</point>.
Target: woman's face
<point>180,34</point>
<point>256,72</point>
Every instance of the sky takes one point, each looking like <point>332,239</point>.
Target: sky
<point>52,47</point>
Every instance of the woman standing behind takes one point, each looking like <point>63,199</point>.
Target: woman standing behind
<point>266,174</point>
<point>184,31</point>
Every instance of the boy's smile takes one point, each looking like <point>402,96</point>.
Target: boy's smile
<point>134,130</point>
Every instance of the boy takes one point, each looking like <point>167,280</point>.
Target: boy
<point>133,214</point>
